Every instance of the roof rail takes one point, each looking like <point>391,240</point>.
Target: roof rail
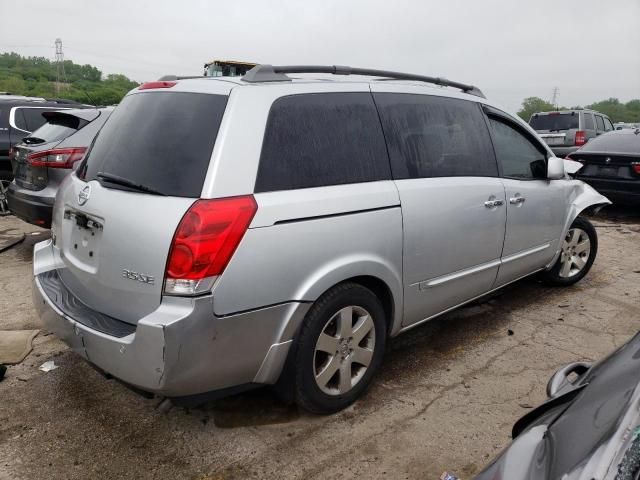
<point>270,73</point>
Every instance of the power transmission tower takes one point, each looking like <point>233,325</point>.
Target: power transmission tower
<point>61,77</point>
<point>554,99</point>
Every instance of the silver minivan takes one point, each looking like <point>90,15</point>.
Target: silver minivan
<point>225,233</point>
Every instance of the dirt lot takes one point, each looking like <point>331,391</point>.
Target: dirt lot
<point>446,396</point>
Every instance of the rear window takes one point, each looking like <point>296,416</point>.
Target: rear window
<point>555,122</point>
<point>620,141</point>
<point>58,127</point>
<point>33,118</point>
<point>162,140</point>
<point>321,139</point>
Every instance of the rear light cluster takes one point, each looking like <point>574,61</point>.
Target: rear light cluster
<point>581,139</point>
<point>57,158</point>
<point>204,242</point>
<point>636,167</point>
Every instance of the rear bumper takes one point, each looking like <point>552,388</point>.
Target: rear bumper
<point>618,191</point>
<point>29,206</point>
<point>562,152</point>
<point>181,348</point>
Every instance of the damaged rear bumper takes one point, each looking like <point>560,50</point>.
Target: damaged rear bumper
<point>179,349</point>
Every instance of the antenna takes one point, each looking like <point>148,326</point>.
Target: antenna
<point>554,98</point>
<point>61,77</point>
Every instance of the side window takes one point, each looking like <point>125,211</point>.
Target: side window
<point>19,120</point>
<point>588,122</point>
<point>608,126</point>
<point>431,136</point>
<point>600,123</point>
<point>518,157</point>
<point>320,139</point>
<point>34,118</point>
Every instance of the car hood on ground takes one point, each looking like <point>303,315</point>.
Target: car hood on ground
<point>578,433</point>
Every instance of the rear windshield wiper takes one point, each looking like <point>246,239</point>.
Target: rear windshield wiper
<point>117,180</point>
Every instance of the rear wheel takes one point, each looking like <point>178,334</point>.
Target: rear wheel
<point>339,348</point>
<point>4,203</point>
<point>578,252</point>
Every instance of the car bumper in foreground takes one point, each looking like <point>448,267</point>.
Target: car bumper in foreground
<point>180,349</point>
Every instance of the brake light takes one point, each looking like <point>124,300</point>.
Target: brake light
<point>636,167</point>
<point>158,84</point>
<point>205,241</point>
<point>57,158</point>
<point>580,138</point>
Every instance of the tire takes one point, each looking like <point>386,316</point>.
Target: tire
<point>574,261</point>
<point>343,315</point>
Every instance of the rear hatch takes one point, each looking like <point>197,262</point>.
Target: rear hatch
<point>29,158</point>
<point>556,128</point>
<point>117,215</point>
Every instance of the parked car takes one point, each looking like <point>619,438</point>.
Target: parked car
<point>44,158</point>
<point>226,233</point>
<point>588,428</point>
<point>19,116</point>
<point>567,130</point>
<point>623,125</point>
<point>611,165</point>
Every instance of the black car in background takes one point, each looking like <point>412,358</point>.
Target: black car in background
<point>19,116</point>
<point>589,428</point>
<point>611,165</point>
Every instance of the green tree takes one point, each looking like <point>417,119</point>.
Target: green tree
<point>532,105</point>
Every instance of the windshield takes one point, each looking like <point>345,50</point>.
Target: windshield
<point>159,140</point>
<point>554,121</point>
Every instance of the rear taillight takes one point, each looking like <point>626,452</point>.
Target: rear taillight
<point>204,242</point>
<point>636,167</point>
<point>57,158</point>
<point>580,138</point>
<point>158,84</point>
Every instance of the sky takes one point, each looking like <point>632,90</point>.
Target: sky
<point>511,49</point>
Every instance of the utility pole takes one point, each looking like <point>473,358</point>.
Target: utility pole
<point>61,77</point>
<point>554,99</point>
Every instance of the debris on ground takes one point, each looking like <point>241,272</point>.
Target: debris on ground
<point>509,332</point>
<point>3,370</point>
<point>48,366</point>
<point>448,476</point>
<point>15,345</point>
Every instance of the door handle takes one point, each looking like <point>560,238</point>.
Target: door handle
<point>516,200</point>
<point>493,203</point>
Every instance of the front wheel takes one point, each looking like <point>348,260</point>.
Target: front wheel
<point>578,251</point>
<point>339,348</point>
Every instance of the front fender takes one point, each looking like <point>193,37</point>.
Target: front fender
<point>581,197</point>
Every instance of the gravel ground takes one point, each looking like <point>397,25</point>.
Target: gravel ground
<point>445,398</point>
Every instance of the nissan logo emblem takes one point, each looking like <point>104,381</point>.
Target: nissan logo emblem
<point>83,196</point>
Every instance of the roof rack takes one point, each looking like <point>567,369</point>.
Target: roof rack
<point>172,78</point>
<point>270,73</point>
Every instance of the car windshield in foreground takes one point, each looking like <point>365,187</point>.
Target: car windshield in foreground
<point>554,121</point>
<point>161,141</point>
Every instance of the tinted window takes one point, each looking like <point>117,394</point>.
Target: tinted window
<point>18,119</point>
<point>430,136</point>
<point>517,155</point>
<point>320,139</point>
<point>599,123</point>
<point>607,124</point>
<point>588,122</point>
<point>160,140</point>
<point>554,122</point>
<point>56,128</point>
<point>34,118</point>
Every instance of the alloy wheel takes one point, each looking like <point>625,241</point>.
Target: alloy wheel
<point>4,204</point>
<point>344,350</point>
<point>576,249</point>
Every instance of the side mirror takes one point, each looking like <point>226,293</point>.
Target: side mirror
<point>555,168</point>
